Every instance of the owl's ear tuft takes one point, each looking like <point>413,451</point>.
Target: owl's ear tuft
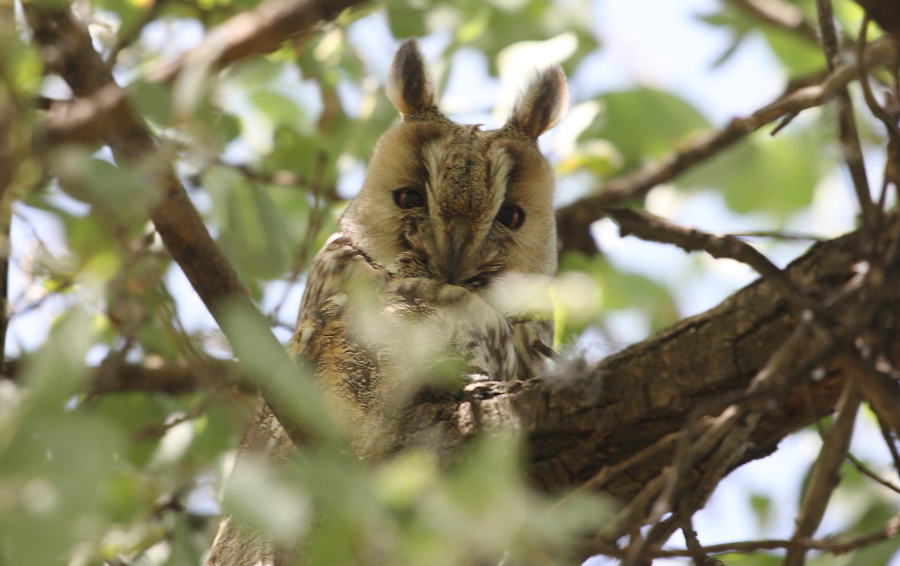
<point>542,105</point>
<point>408,87</point>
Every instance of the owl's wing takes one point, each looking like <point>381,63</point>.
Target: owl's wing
<point>533,339</point>
<point>320,337</point>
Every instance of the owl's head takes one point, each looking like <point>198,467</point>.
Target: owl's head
<point>454,203</point>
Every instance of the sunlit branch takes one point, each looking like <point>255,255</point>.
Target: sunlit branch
<point>575,219</point>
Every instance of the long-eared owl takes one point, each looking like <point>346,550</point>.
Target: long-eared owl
<point>435,272</point>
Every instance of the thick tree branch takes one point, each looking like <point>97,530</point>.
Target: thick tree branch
<point>589,420</point>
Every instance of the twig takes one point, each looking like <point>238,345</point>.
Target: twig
<point>874,107</point>
<point>573,220</point>
<point>891,173</point>
<point>824,477</point>
<point>99,112</point>
<point>171,379</point>
<point>848,135</point>
<point>653,228</point>
<point>312,228</point>
<point>892,448</point>
<point>880,391</point>
<point>863,469</point>
<point>829,545</point>
<point>257,31</point>
<point>885,13</point>
<point>779,235</point>
<point>9,162</point>
<point>5,253</point>
<point>700,557</point>
<point>811,96</point>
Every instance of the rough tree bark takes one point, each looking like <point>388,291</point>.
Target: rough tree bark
<point>590,417</point>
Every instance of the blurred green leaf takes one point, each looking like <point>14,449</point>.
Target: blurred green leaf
<point>590,286</point>
<point>119,193</point>
<point>407,19</point>
<point>762,506</point>
<point>152,100</point>
<point>776,175</point>
<point>253,233</point>
<point>643,124</point>
<point>797,54</point>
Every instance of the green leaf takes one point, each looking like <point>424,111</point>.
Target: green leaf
<point>252,230</point>
<point>587,286</point>
<point>644,124</point>
<point>152,100</point>
<point>777,174</point>
<point>762,508</point>
<point>800,56</point>
<point>118,192</point>
<point>406,19</point>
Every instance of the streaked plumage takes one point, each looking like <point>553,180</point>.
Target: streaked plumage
<point>418,278</point>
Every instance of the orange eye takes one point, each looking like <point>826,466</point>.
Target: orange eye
<point>408,198</point>
<point>511,216</point>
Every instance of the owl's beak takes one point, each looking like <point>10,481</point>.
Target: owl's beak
<point>458,240</point>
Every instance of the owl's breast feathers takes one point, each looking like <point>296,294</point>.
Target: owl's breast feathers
<point>363,330</point>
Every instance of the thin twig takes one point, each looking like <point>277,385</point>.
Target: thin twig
<point>829,545</point>
<point>779,235</point>
<point>892,447</point>
<point>864,470</point>
<point>574,220</point>
<point>891,173</point>
<point>104,109</point>
<point>824,477</point>
<point>653,228</point>
<point>848,135</point>
<point>874,107</point>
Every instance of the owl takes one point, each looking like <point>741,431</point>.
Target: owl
<point>436,275</point>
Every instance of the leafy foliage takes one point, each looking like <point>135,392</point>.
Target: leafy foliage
<point>270,148</point>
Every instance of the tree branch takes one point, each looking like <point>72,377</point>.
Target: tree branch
<point>655,229</point>
<point>824,476</point>
<point>100,111</point>
<point>891,529</point>
<point>67,50</point>
<point>574,220</point>
<point>848,135</point>
<point>590,419</point>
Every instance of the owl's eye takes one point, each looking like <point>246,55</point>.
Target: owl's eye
<point>409,198</point>
<point>511,216</point>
